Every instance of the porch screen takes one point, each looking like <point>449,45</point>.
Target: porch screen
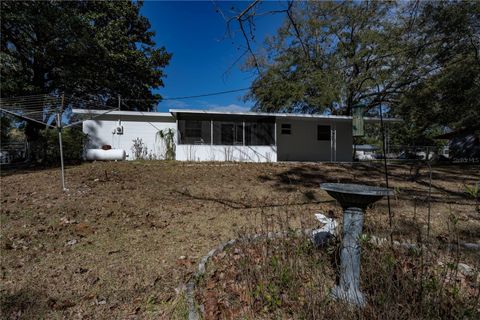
<point>232,133</point>
<point>259,133</point>
<point>227,133</point>
<point>194,132</point>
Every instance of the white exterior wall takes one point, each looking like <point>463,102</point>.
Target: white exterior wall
<point>187,152</point>
<point>144,127</point>
<point>302,143</point>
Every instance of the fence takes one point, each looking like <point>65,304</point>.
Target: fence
<point>13,152</point>
<point>403,153</point>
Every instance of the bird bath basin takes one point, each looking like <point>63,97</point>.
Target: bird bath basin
<point>354,199</point>
<point>355,195</point>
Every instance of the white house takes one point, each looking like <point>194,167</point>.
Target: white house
<point>202,135</point>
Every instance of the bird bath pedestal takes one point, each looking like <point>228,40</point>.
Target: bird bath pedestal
<point>354,199</point>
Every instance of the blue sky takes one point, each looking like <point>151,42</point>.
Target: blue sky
<point>202,55</point>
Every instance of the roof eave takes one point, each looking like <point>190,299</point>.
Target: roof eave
<point>280,115</point>
<point>122,113</point>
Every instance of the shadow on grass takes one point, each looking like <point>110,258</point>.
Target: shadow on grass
<point>27,168</point>
<point>312,175</point>
<point>469,231</point>
<point>24,304</point>
<point>233,204</point>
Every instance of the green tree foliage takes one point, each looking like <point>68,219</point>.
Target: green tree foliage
<point>417,59</point>
<point>46,149</point>
<point>89,49</point>
<point>451,96</point>
<point>5,126</point>
<point>334,55</point>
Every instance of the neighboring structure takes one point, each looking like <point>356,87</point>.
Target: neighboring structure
<point>463,145</point>
<point>202,135</point>
<point>365,151</point>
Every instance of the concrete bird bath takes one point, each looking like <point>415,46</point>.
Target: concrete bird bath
<point>354,199</point>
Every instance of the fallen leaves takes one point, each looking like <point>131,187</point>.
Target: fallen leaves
<point>58,304</point>
<point>106,252</point>
<point>84,230</point>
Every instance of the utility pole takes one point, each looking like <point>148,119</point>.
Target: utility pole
<point>119,103</point>
<point>59,128</point>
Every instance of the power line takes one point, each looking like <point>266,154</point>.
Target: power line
<point>248,88</point>
<point>39,99</point>
<point>208,94</point>
<point>194,96</point>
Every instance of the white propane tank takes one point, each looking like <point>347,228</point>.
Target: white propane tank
<point>105,155</point>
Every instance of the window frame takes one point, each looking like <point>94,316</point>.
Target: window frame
<point>236,133</point>
<point>286,128</point>
<point>186,127</point>
<point>247,131</point>
<point>322,134</point>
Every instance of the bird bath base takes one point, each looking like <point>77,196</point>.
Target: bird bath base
<point>354,199</point>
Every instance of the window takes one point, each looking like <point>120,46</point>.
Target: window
<point>323,133</point>
<point>259,133</point>
<point>286,128</point>
<point>227,133</point>
<point>194,132</point>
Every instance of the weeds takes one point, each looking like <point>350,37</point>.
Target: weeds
<point>167,143</point>
<point>287,277</point>
<point>139,149</point>
<point>135,205</point>
<point>474,193</point>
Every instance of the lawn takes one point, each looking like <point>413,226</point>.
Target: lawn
<point>125,236</point>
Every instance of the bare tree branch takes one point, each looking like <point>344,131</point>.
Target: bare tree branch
<point>297,32</point>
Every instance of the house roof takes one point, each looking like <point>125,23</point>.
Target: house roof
<point>122,113</point>
<point>175,112</point>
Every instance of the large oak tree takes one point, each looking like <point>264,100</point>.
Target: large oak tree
<point>89,49</point>
<point>417,59</point>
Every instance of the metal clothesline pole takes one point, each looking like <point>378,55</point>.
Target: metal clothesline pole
<point>59,128</point>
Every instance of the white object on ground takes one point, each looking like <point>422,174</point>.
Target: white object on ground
<point>330,224</point>
<point>105,155</point>
<point>466,269</point>
<point>360,155</point>
<point>322,235</point>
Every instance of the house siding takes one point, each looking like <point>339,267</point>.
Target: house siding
<point>100,133</point>
<point>192,152</point>
<point>302,144</point>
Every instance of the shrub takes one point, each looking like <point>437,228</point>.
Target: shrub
<point>46,149</point>
<point>139,149</point>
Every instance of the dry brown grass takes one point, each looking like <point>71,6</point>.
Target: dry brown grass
<point>288,278</point>
<point>140,227</point>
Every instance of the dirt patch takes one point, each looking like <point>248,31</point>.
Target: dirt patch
<point>124,236</point>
